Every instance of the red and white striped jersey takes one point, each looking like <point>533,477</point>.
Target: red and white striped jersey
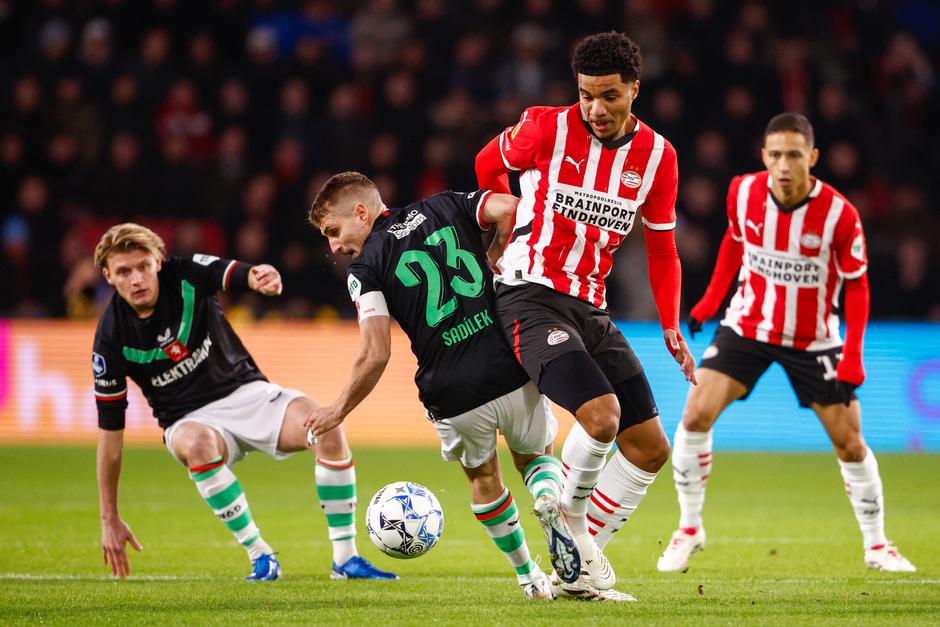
<point>794,263</point>
<point>580,198</point>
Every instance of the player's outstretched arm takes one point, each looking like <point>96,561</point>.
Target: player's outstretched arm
<point>265,279</point>
<point>499,210</point>
<point>730,258</point>
<point>115,534</point>
<point>375,348</point>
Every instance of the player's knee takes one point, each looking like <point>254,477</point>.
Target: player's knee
<point>198,448</point>
<point>698,416</point>
<point>601,422</point>
<point>658,455</point>
<point>332,444</point>
<point>850,446</point>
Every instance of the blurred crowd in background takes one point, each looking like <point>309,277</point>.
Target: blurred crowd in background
<point>214,122</point>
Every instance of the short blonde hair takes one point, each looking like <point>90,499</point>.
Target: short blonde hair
<point>335,189</point>
<point>126,237</point>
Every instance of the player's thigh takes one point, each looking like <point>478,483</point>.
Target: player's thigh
<point>526,421</point>
<point>610,349</point>
<point>728,370</point>
<point>470,437</point>
<point>192,442</point>
<point>711,396</point>
<point>843,425</point>
<point>812,375</point>
<point>293,435</point>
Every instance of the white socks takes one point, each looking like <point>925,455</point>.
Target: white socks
<point>863,486</point>
<point>582,459</point>
<point>691,466</point>
<point>619,491</point>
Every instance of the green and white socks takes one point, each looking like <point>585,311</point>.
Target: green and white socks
<point>336,487</point>
<point>220,488</point>
<point>501,521</point>
<point>543,476</point>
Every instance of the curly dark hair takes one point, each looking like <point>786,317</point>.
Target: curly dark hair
<point>608,53</point>
<point>789,121</point>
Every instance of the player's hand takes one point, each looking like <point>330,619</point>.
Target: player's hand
<point>850,373</point>
<point>265,279</point>
<point>695,326</point>
<point>322,419</point>
<point>682,355</point>
<point>114,537</point>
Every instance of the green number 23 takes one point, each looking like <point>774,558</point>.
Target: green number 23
<point>437,309</point>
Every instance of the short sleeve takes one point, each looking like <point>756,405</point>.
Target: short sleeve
<point>732,206</point>
<point>850,250</point>
<point>365,290</point>
<point>519,144</point>
<point>216,273</point>
<point>107,367</point>
<point>659,207</point>
<point>472,204</point>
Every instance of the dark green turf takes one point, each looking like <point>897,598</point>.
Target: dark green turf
<point>783,548</point>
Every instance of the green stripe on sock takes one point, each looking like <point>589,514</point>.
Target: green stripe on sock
<point>336,492</point>
<point>251,541</point>
<point>546,491</point>
<point>239,523</point>
<point>510,543</point>
<point>225,497</point>
<point>509,513</point>
<point>544,459</point>
<point>340,520</point>
<point>526,568</point>
<point>545,476</point>
<point>202,476</point>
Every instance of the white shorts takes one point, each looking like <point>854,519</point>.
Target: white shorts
<point>248,419</point>
<point>523,416</point>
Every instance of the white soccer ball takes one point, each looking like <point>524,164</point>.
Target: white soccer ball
<point>404,520</point>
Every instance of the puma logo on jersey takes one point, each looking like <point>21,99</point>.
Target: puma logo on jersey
<point>576,164</point>
<point>755,227</point>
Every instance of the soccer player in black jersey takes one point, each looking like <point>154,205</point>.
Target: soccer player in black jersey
<point>425,264</point>
<point>165,329</point>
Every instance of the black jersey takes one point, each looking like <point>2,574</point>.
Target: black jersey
<point>427,262</point>
<point>183,356</point>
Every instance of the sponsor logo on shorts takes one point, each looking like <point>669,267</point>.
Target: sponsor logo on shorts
<point>557,336</point>
<point>710,353</point>
<point>98,365</point>
<point>811,240</point>
<point>631,179</point>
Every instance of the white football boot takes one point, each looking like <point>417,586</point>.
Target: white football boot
<point>539,589</point>
<point>599,570</point>
<point>887,558</point>
<point>582,590</point>
<point>685,543</point>
<point>562,547</point>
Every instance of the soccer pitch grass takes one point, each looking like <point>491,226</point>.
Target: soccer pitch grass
<point>783,547</point>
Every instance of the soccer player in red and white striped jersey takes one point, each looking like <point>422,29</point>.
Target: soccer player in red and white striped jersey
<point>587,173</point>
<point>794,242</point>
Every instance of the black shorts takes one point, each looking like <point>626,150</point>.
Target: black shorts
<point>812,373</point>
<point>542,324</point>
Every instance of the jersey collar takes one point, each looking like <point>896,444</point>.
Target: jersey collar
<point>606,143</point>
<point>813,193</point>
